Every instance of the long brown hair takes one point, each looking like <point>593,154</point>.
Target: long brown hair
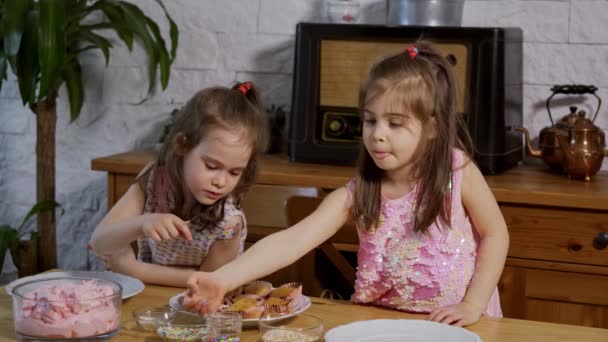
<point>217,107</point>
<point>423,85</point>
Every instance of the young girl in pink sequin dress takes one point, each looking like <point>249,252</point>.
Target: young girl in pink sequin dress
<point>431,236</point>
<point>183,209</point>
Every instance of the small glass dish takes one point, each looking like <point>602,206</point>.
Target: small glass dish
<point>182,326</point>
<point>147,317</point>
<point>298,328</point>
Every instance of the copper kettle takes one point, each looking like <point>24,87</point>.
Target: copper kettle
<point>573,144</point>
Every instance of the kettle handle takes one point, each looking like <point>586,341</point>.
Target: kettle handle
<point>576,89</point>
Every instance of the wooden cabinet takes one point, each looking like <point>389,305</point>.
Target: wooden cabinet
<point>553,271</point>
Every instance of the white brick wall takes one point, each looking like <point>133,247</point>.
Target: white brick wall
<point>566,41</point>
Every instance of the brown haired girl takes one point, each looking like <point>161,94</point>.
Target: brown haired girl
<point>184,208</point>
<point>431,236</point>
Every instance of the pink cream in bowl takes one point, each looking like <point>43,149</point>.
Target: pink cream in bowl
<point>67,308</point>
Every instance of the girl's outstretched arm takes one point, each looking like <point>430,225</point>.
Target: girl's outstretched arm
<point>206,290</point>
<point>481,205</point>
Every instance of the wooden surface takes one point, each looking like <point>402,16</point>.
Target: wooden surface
<point>334,313</point>
<point>523,184</point>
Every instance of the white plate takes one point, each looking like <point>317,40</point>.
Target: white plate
<point>176,303</point>
<point>399,330</point>
<point>130,286</point>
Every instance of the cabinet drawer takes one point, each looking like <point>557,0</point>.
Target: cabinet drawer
<point>555,234</point>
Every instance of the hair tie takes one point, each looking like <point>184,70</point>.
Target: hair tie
<point>413,51</point>
<point>245,87</point>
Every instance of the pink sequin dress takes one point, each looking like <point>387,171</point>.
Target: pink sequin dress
<point>408,271</point>
<point>178,252</point>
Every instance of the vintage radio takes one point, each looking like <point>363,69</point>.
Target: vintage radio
<point>331,61</point>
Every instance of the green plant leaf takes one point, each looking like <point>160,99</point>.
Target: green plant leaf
<point>2,68</point>
<point>28,67</point>
<point>14,24</point>
<point>164,61</point>
<point>98,41</point>
<point>39,208</point>
<point>173,31</point>
<point>116,17</point>
<point>73,80</point>
<point>136,20</point>
<point>51,44</point>
<point>8,241</point>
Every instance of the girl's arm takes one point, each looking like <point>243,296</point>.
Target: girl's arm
<point>487,218</point>
<point>125,223</point>
<point>122,224</point>
<point>270,254</point>
<point>481,206</point>
<point>123,261</point>
<point>224,251</point>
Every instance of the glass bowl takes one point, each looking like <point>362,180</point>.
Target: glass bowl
<point>66,308</point>
<point>298,328</point>
<point>343,11</point>
<point>182,326</point>
<point>147,317</point>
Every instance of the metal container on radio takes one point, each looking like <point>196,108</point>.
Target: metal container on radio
<point>424,12</point>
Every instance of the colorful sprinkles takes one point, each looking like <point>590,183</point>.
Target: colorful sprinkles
<point>181,334</point>
<point>226,339</point>
<point>287,336</point>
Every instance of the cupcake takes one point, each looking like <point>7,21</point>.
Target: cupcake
<point>288,292</point>
<point>259,288</point>
<point>246,306</point>
<point>274,306</point>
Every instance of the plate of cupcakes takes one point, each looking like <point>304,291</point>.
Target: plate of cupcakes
<point>259,300</point>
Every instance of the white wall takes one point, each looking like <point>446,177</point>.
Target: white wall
<point>566,41</point>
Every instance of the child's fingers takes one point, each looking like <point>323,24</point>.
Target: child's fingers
<point>173,231</point>
<point>155,237</point>
<point>459,323</point>
<point>438,315</point>
<point>181,229</point>
<point>192,285</point>
<point>451,318</point>
<point>163,233</point>
<point>184,230</point>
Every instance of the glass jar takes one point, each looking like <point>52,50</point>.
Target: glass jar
<point>343,11</point>
<point>224,327</point>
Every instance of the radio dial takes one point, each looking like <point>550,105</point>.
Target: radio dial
<point>336,125</point>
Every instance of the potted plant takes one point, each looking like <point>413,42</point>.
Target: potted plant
<point>23,251</point>
<point>40,41</point>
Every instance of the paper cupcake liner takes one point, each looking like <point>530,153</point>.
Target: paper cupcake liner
<point>296,291</point>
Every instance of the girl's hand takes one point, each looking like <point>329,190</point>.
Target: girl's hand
<point>160,227</point>
<point>205,293</point>
<point>460,315</point>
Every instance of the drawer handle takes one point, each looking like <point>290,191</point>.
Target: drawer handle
<point>600,241</point>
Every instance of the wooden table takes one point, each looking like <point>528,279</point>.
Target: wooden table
<point>334,313</point>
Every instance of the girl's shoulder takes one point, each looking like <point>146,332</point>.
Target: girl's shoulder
<point>232,224</point>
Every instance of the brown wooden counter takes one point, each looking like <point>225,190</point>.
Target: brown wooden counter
<point>553,271</point>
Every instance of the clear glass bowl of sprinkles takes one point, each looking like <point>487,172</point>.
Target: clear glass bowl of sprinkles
<point>182,326</point>
<point>299,328</point>
<point>147,317</point>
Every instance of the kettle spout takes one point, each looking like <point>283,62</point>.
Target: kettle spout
<point>531,151</point>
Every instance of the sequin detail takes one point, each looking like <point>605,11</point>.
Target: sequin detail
<point>416,272</point>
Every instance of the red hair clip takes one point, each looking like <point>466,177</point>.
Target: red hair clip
<point>413,51</point>
<point>245,87</point>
